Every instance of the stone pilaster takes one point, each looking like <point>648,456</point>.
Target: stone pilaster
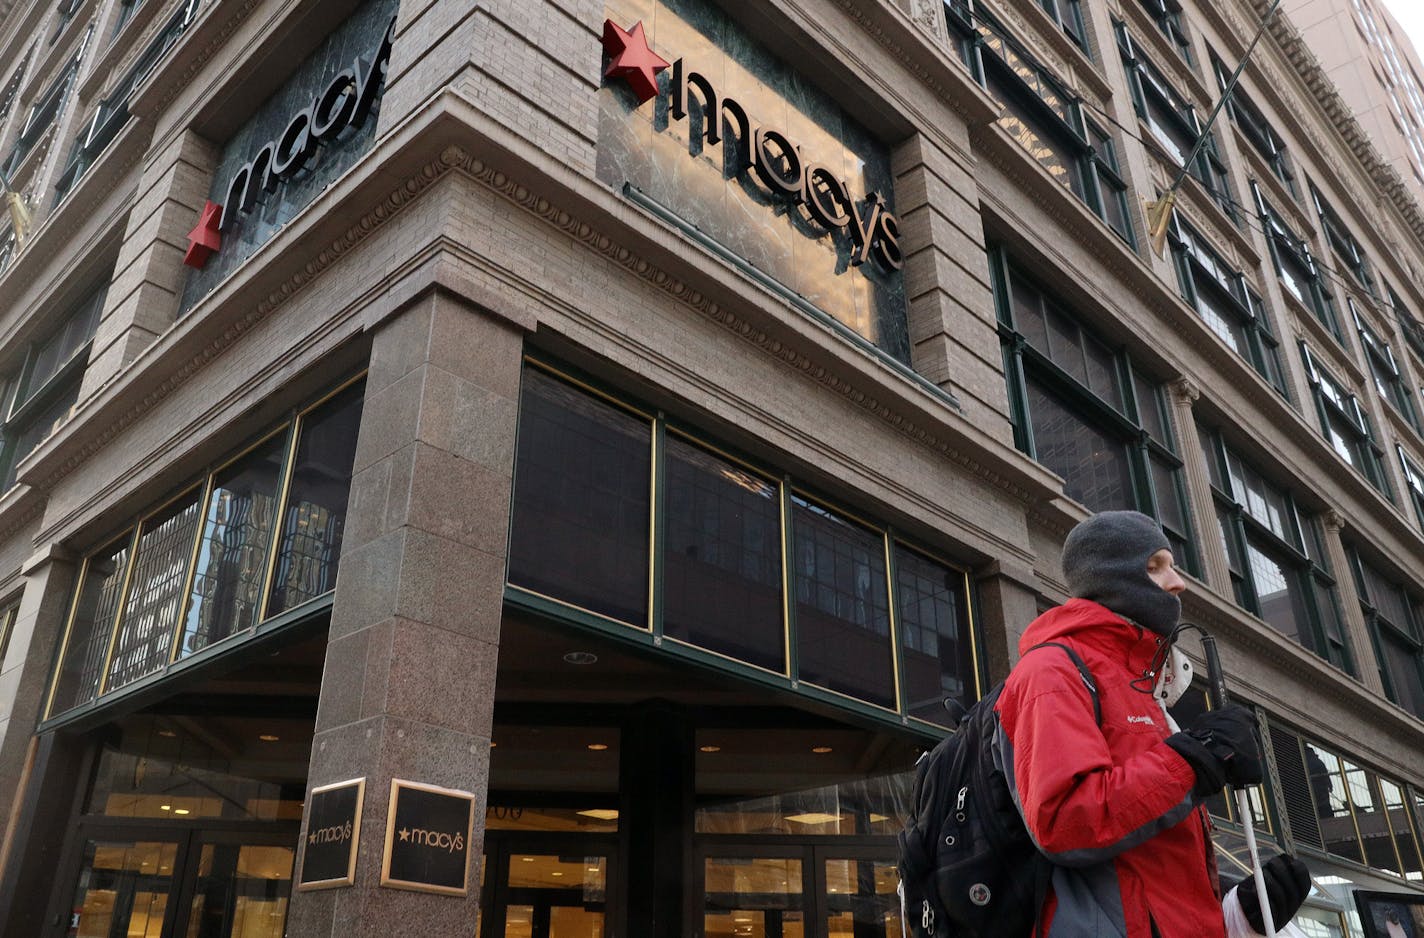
<point>1357,632</point>
<point>1216,570</point>
<point>408,688</point>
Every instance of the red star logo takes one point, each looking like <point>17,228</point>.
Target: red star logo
<point>205,239</point>
<point>632,59</point>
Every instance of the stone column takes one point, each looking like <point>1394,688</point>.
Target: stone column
<point>37,778</point>
<point>408,688</point>
<point>1216,570</point>
<point>149,275</point>
<point>1357,632</point>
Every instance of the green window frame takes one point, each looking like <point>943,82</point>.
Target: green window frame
<point>1226,302</point>
<point>1347,249</point>
<point>1393,614</point>
<point>1167,14</point>
<point>1346,425</point>
<point>131,608</point>
<point>1296,267</point>
<point>1256,129</point>
<point>896,601</point>
<point>1061,376</point>
<point>1173,122</point>
<point>1413,483</point>
<point>39,394</point>
<point>1384,368</point>
<point>1410,327</point>
<point>8,615</point>
<point>1068,14</point>
<point>1276,555</point>
<point>1047,119</point>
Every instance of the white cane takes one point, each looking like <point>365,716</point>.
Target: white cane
<point>1216,691</point>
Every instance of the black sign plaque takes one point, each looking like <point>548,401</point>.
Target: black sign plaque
<point>332,834</point>
<point>428,838</point>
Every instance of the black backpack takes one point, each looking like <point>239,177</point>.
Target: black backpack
<point>968,867</point>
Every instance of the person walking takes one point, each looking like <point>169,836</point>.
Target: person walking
<point>1117,806</point>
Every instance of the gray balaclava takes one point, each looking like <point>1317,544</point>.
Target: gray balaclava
<point>1105,560</point>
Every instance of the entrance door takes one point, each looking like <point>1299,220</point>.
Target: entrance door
<point>548,887</point>
<point>157,881</point>
<point>781,890</point>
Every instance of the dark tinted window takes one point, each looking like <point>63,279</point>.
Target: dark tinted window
<point>934,635</point>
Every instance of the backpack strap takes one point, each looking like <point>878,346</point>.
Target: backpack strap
<point>1083,673</point>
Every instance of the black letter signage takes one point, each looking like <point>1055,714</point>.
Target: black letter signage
<point>428,838</point>
<point>332,835</point>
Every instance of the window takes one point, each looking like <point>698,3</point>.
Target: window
<point>1412,329</point>
<point>1047,121</point>
<point>1167,14</point>
<point>1346,425</point>
<point>135,612</point>
<point>1226,303</point>
<point>724,562</point>
<point>1173,123</point>
<point>1257,131</point>
<point>1338,806</point>
<point>959,20</point>
<point>64,15</point>
<point>1393,615</point>
<point>1296,268</point>
<point>1389,381</point>
<point>1413,483</point>
<point>1069,15</point>
<point>1346,248</point>
<point>112,112</point>
<point>42,115</point>
<point>39,395</point>
<point>1276,554</point>
<point>8,615</point>
<point>1081,409</point>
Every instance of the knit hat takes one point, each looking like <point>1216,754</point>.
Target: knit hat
<point>1105,560</point>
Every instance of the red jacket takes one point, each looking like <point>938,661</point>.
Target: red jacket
<point>1111,805</point>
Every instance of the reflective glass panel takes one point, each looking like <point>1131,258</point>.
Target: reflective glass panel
<point>232,556</point>
<point>935,645</point>
<point>581,500</point>
<point>155,594</point>
<point>123,889</point>
<point>556,896</point>
<point>94,611</point>
<point>861,899</point>
<point>1278,593</point>
<point>1332,806</point>
<point>722,558</point>
<point>314,517</point>
<point>842,605</point>
<point>757,896</point>
<point>1397,808</point>
<point>242,891</point>
<point>1094,466</point>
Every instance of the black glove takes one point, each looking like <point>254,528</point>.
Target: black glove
<point>1220,746</point>
<point>1287,885</point>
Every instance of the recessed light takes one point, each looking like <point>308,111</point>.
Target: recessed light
<point>269,738</point>
<point>167,734</point>
<point>600,814</point>
<point>527,859</point>
<point>814,817</point>
<point>556,873</point>
<point>821,750</point>
<point>709,749</point>
<point>165,807</point>
<point>581,657</point>
<point>181,811</point>
<point>598,747</point>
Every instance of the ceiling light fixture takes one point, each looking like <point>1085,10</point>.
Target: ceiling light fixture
<point>709,749</point>
<point>581,657</point>
<point>269,738</point>
<point>598,747</point>
<point>820,750</point>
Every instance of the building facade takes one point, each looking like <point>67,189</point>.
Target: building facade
<point>1369,58</point>
<point>531,469</point>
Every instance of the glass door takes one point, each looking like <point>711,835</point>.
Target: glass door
<point>179,882</point>
<point>240,887</point>
<point>779,890</point>
<point>547,888</point>
<point>125,887</point>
